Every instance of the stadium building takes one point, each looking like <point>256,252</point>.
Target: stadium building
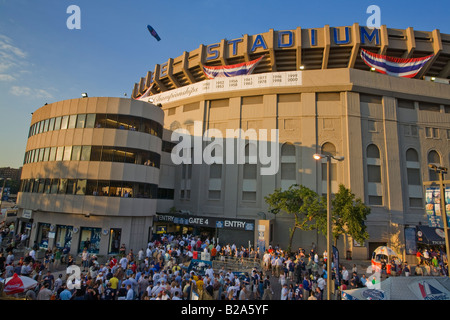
<point>311,85</point>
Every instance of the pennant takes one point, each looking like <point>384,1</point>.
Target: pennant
<point>233,70</point>
<point>398,67</point>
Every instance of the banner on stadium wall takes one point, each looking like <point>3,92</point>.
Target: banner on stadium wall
<point>433,206</point>
<point>240,69</point>
<point>398,67</point>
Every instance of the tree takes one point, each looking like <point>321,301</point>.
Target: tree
<point>301,202</point>
<point>348,215</point>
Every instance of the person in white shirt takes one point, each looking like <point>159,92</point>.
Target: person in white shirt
<point>321,283</point>
<point>123,263</point>
<point>210,272</point>
<point>284,292</point>
<point>32,254</point>
<point>345,275</point>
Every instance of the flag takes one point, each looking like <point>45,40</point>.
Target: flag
<point>233,70</point>
<point>399,67</point>
<point>146,94</point>
<point>336,265</point>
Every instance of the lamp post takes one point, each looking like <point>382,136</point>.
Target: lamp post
<point>442,170</point>
<point>319,156</point>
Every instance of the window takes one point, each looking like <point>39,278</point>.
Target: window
<point>96,153</point>
<point>46,123</point>
<point>410,130</point>
<point>52,156</point>
<point>81,120</point>
<point>85,153</point>
<point>62,186</point>
<point>41,126</point>
<point>81,187</point>
<point>90,120</point>
<point>111,121</point>
<point>57,123</point>
<point>427,106</point>
<point>214,194</point>
<point>249,195</point>
<point>59,153</point>
<point>114,241</point>
<point>100,120</point>
<point>63,237</point>
<point>51,125</point>
<point>433,158</point>
<point>90,239</point>
<point>412,155</point>
<point>249,177</point>
<point>374,175</point>
<point>71,186</point>
<point>416,202</point>
<point>48,184</point>
<point>54,187</point>
<point>375,200</point>
<point>67,153</point>
<point>76,152</point>
<point>64,122</point>
<point>288,163</point>
<point>41,154</point>
<point>46,154</point>
<point>41,185</point>
<point>72,121</point>
<point>406,104</point>
<point>373,152</point>
<point>432,133</point>
<point>215,171</point>
<point>413,175</point>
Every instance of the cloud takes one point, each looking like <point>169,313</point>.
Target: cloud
<point>6,77</point>
<point>11,58</point>
<point>22,91</point>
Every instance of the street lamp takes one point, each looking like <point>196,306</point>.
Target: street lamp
<point>318,156</point>
<point>442,170</point>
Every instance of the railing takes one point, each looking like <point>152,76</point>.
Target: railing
<point>236,264</point>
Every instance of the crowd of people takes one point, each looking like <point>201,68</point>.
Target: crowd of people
<point>160,272</point>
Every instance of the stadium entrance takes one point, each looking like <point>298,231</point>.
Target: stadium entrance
<point>237,231</point>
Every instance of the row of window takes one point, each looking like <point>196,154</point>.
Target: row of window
<point>93,153</point>
<point>96,188</point>
<point>100,120</point>
<point>89,238</point>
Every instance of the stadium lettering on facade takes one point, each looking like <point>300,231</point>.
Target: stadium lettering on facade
<point>286,40</point>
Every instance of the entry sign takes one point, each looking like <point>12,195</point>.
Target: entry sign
<point>211,222</point>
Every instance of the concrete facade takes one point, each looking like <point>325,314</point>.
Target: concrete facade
<point>312,87</point>
<point>96,214</point>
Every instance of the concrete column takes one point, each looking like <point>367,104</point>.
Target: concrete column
<point>308,130</point>
<point>353,176</point>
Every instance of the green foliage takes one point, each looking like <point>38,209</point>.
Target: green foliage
<point>310,211</point>
<point>349,214</point>
<point>301,202</point>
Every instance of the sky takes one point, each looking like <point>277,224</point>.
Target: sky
<point>43,61</point>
